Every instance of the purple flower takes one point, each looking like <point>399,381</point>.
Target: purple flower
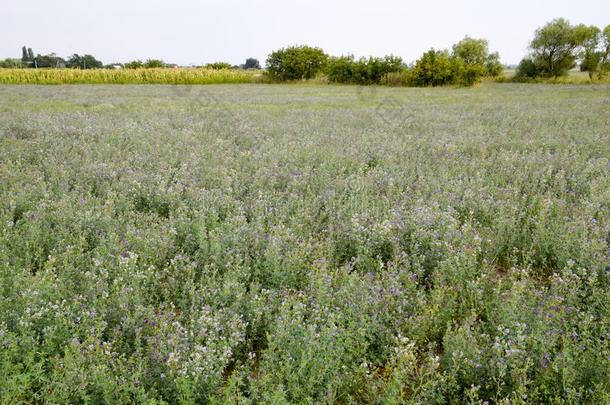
<point>545,361</point>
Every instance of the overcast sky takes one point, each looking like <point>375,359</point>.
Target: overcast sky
<point>201,31</point>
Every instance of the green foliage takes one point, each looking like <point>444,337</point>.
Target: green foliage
<point>472,51</point>
<point>558,46</point>
<point>251,63</point>
<point>24,54</point>
<point>493,66</point>
<point>135,64</point>
<point>83,62</point>
<point>346,69</point>
<point>604,66</point>
<point>48,61</point>
<point>154,64</point>
<point>27,55</point>
<point>527,69</point>
<point>468,62</point>
<point>554,47</point>
<point>476,60</point>
<point>296,63</point>
<point>590,56</point>
<point>149,64</point>
<point>341,69</point>
<point>219,65</point>
<point>595,55</point>
<point>10,63</point>
<point>403,78</point>
<point>436,68</point>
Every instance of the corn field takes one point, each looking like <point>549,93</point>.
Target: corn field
<point>127,76</point>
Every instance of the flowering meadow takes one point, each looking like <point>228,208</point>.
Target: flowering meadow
<point>274,244</point>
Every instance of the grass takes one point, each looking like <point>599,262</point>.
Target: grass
<point>304,244</point>
<point>573,77</point>
<point>127,76</point>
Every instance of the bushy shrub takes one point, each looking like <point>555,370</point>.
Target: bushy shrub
<point>296,63</point>
<point>493,66</point>
<point>436,68</point>
<point>47,61</point>
<point>251,63</point>
<point>465,66</point>
<point>219,65</point>
<point>558,46</point>
<point>528,69</point>
<point>83,62</point>
<point>154,64</point>
<point>346,69</point>
<point>468,75</point>
<point>11,63</point>
<point>149,64</point>
<point>135,64</point>
<point>401,78</point>
<point>477,61</point>
<point>341,69</point>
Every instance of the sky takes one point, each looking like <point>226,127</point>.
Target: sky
<point>195,32</point>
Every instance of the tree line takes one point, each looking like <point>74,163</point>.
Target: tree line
<point>75,61</point>
<point>467,62</point>
<point>87,61</point>
<point>31,60</point>
<point>555,49</point>
<point>560,46</point>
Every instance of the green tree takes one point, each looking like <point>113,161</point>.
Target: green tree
<point>341,69</point>
<point>154,63</point>
<point>591,56</point>
<point>30,54</point>
<point>436,68</point>
<point>554,48</point>
<point>219,65</point>
<point>49,61</point>
<point>346,69</point>
<point>296,63</point>
<point>476,58</point>
<point>11,63</point>
<point>84,62</point>
<point>472,51</point>
<point>377,68</point>
<point>493,65</point>
<point>135,64</point>
<point>252,63</point>
<point>24,54</point>
<point>527,69</point>
<point>604,67</point>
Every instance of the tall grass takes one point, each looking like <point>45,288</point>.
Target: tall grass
<point>573,77</point>
<point>127,76</point>
<point>215,76</point>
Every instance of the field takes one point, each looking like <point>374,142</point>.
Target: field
<point>573,77</point>
<point>211,76</point>
<point>305,244</point>
<point>128,76</point>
